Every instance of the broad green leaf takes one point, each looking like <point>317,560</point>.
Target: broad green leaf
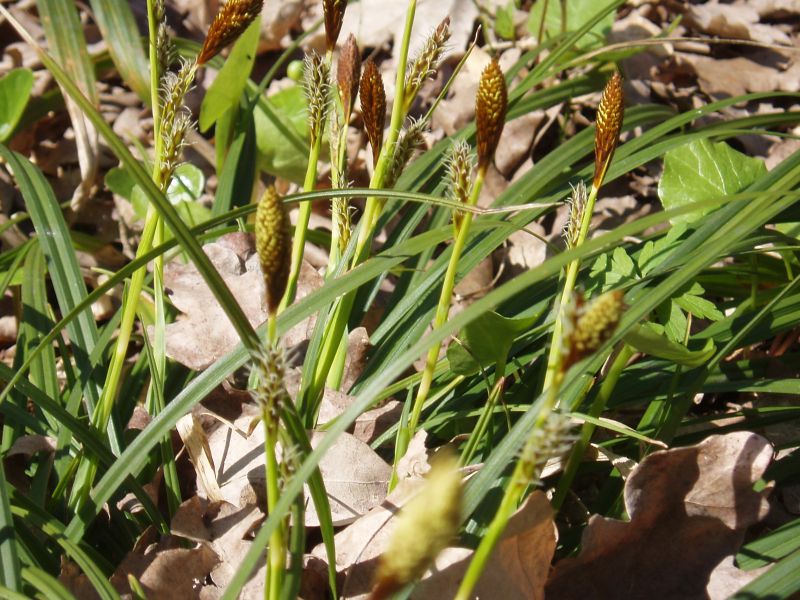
<point>15,90</point>
<point>578,13</point>
<point>231,80</point>
<point>486,341</point>
<point>275,155</point>
<point>702,170</point>
<point>645,338</point>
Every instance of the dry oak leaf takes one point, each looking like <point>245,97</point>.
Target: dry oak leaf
<point>356,478</point>
<point>204,333</point>
<point>689,509</point>
<point>517,569</point>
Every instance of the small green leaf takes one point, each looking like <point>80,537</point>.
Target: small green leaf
<point>231,80</point>
<point>578,14</point>
<point>644,338</point>
<point>487,341</point>
<point>504,21</point>
<point>699,307</point>
<point>702,170</point>
<point>186,186</point>
<point>283,159</point>
<point>15,90</point>
<point>119,181</point>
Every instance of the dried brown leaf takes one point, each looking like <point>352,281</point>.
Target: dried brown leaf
<point>689,509</point>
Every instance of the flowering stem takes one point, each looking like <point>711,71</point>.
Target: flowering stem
<point>521,478</point>
<point>599,404</point>
<point>304,210</point>
<point>341,314</point>
<point>567,291</point>
<point>276,554</point>
<point>442,310</point>
<point>374,206</point>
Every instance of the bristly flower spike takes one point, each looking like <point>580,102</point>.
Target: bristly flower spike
<point>577,209</point>
<point>609,123</point>
<point>491,102</point>
<point>334,17</point>
<point>348,73</point>
<point>373,106</point>
<point>427,61</point>
<point>230,22</point>
<point>274,246</point>
<point>459,175</point>
<point>316,75</point>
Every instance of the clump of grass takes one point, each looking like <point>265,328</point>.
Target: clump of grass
<point>569,347</point>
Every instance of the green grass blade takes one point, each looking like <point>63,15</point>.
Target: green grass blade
<point>47,585</point>
<point>9,558</point>
<point>62,263</point>
<point>781,581</point>
<point>118,26</point>
<point>92,565</point>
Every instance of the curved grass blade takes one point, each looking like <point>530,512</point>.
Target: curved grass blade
<point>118,26</point>
<point>47,585</point>
<point>62,264</point>
<point>92,565</point>
<point>160,202</point>
<point>10,576</point>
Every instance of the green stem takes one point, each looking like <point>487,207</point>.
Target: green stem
<point>301,227</point>
<point>442,311</point>
<point>341,314</point>
<point>155,76</point>
<point>598,406</point>
<point>276,552</point>
<point>519,482</point>
<point>373,206</point>
<point>567,292</point>
<point>486,415</point>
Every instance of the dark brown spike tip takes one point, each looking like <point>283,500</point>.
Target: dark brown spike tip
<point>373,106</point>
<point>230,22</point>
<point>334,17</point>
<point>491,102</point>
<point>348,73</point>
<point>609,124</point>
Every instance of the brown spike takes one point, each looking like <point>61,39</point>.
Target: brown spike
<point>348,72</point>
<point>274,246</point>
<point>491,102</point>
<point>230,22</point>
<point>609,123</point>
<point>373,106</point>
<point>334,17</point>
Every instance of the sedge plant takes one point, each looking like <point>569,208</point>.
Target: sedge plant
<point>491,102</point>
